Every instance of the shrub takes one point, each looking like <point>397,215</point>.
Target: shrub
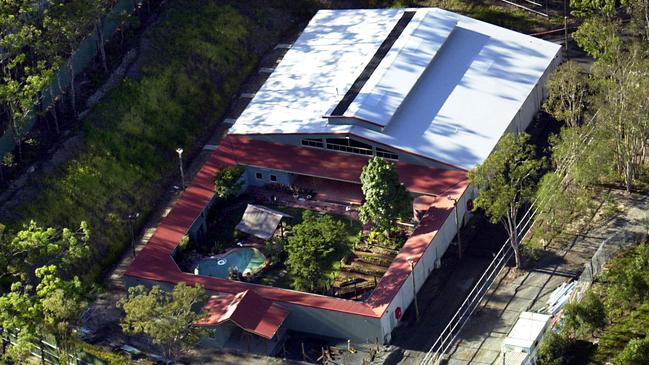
<point>228,181</point>
<point>636,352</point>
<point>553,349</point>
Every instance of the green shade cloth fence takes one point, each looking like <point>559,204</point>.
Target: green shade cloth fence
<point>81,58</point>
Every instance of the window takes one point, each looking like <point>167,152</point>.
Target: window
<point>273,178</point>
<point>313,142</point>
<point>349,145</point>
<point>259,176</point>
<point>380,152</point>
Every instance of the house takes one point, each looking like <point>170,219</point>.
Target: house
<point>429,89</point>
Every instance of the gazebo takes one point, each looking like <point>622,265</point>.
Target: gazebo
<point>260,221</point>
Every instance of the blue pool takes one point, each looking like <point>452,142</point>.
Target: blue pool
<point>245,260</point>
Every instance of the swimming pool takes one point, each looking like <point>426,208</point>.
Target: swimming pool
<point>246,260</point>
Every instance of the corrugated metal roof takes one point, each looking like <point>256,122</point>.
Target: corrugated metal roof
<point>474,80</point>
<point>247,310</point>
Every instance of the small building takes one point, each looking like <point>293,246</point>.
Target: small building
<point>245,322</point>
<point>521,344</point>
<point>428,89</point>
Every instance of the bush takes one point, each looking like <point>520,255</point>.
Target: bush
<point>636,352</point>
<point>228,181</point>
<point>553,349</point>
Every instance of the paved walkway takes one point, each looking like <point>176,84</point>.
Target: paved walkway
<point>480,341</point>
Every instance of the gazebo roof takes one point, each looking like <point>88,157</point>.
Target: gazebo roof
<point>260,221</point>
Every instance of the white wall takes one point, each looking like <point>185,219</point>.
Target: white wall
<point>426,264</point>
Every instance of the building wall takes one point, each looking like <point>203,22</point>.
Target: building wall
<point>358,329</point>
<point>296,139</point>
<point>256,176</point>
<point>426,265</point>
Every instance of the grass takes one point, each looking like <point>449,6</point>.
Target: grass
<point>199,56</point>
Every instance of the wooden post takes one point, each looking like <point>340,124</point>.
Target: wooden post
<point>565,35</point>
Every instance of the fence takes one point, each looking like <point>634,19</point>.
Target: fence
<point>48,353</point>
<point>81,58</point>
<point>605,252</point>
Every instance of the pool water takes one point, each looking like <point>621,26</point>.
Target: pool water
<point>246,260</point>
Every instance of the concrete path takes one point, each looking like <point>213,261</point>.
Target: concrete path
<point>480,341</point>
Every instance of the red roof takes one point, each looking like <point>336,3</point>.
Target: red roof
<point>247,310</point>
<point>155,263</point>
<point>331,165</point>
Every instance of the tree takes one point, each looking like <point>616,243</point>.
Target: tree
<point>68,22</point>
<point>505,182</point>
<point>227,181</point>
<point>386,199</point>
<point>567,90</point>
<point>635,352</point>
<point>623,117</point>
<point>52,306</point>
<point>599,37</point>
<point>43,295</point>
<point>585,317</point>
<point>167,318</point>
<point>35,246</point>
<point>310,248</point>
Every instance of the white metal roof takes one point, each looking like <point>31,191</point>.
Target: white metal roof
<point>526,331</point>
<point>447,89</point>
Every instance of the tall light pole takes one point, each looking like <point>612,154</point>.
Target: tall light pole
<point>414,287</point>
<point>457,225</point>
<point>180,164</point>
<point>131,218</point>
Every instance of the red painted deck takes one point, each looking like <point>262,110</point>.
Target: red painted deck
<point>155,263</point>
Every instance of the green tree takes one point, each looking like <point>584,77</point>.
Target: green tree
<point>42,294</point>
<point>68,22</point>
<point>505,182</point>
<point>227,181</point>
<point>585,317</point>
<point>599,37</point>
<point>167,318</point>
<point>386,199</point>
<point>35,246</point>
<point>310,247</point>
<point>52,306</point>
<point>567,91</point>
<point>636,352</point>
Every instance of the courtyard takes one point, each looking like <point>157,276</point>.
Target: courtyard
<point>351,271</point>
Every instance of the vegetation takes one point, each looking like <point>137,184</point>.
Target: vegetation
<point>506,182</point>
<point>612,319</point>
<point>311,246</point>
<point>40,295</point>
<point>386,199</point>
<point>171,105</point>
<point>567,91</point>
<point>36,38</point>
<point>227,181</point>
<point>167,318</point>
